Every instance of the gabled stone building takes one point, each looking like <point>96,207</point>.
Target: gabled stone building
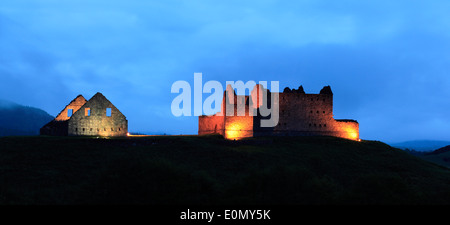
<point>96,117</point>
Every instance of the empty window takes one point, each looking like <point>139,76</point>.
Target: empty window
<point>90,129</point>
<point>317,111</point>
<point>108,111</point>
<point>104,129</point>
<point>310,125</point>
<point>320,125</point>
<point>69,112</point>
<point>121,128</point>
<point>325,125</point>
<point>83,129</point>
<point>315,125</point>
<point>87,111</point>
<point>76,129</point>
<point>98,129</point>
<point>112,129</point>
<point>311,111</point>
<point>323,112</point>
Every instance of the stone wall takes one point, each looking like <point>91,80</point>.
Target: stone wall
<point>300,114</point>
<point>347,129</point>
<point>238,127</point>
<point>305,112</point>
<point>55,128</point>
<point>59,126</point>
<point>74,105</point>
<point>211,125</point>
<point>97,123</point>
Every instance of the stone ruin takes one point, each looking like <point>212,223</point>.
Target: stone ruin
<point>96,117</point>
<point>300,114</point>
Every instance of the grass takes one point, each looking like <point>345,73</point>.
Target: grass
<point>208,170</point>
<point>442,159</point>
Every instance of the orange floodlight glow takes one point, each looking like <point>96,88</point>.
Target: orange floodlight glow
<point>234,132</point>
<point>352,134</point>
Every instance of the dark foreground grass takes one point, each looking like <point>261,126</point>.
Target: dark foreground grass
<point>212,171</point>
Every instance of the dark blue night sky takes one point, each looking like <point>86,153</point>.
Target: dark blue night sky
<point>388,62</point>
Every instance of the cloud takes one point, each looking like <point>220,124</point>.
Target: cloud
<point>386,61</point>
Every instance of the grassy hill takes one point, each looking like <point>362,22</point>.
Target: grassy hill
<point>440,156</point>
<point>212,171</point>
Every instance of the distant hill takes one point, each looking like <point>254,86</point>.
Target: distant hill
<point>440,156</point>
<point>440,151</point>
<point>17,119</point>
<point>421,145</point>
<point>209,170</point>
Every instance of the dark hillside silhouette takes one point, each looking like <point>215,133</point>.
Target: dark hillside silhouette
<point>17,119</point>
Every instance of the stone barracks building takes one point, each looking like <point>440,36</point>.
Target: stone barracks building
<point>96,117</point>
<point>300,114</point>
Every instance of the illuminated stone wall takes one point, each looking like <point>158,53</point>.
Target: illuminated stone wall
<point>59,126</point>
<point>89,118</point>
<point>346,129</point>
<point>75,105</point>
<point>98,123</point>
<point>305,112</point>
<point>300,114</point>
<point>238,127</point>
<point>231,127</point>
<point>211,125</point>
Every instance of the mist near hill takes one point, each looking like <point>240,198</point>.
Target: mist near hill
<point>17,119</point>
